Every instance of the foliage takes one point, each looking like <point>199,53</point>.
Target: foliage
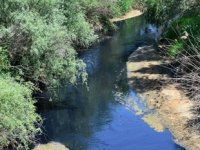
<point>17,114</point>
<point>162,11</point>
<point>40,46</point>
<point>40,36</point>
<point>186,31</point>
<point>180,20</point>
<point>189,23</point>
<point>108,7</point>
<point>4,62</point>
<point>76,23</point>
<point>175,49</point>
<point>125,5</point>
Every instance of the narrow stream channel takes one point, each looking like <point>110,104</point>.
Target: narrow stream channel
<point>95,119</point>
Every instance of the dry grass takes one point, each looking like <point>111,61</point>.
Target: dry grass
<point>186,70</point>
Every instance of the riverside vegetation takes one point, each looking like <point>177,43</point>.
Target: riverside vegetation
<point>39,40</point>
<point>180,41</point>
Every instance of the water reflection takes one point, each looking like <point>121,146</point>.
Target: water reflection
<point>93,119</point>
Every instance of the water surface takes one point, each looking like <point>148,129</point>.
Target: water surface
<point>94,119</point>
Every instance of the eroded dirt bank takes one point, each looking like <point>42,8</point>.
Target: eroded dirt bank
<point>148,78</point>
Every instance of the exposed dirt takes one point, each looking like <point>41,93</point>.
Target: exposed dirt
<point>149,79</point>
<point>130,14</point>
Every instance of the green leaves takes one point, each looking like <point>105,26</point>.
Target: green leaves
<point>40,40</point>
<point>175,49</point>
<point>125,5</point>
<point>17,114</point>
<point>162,11</point>
<point>4,61</point>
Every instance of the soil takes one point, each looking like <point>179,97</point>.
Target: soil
<point>130,14</point>
<point>150,79</point>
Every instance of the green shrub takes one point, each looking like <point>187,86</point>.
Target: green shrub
<point>125,5</point>
<point>189,23</point>
<point>18,119</point>
<point>4,62</point>
<point>162,11</point>
<point>186,31</point>
<point>76,23</point>
<point>40,37</point>
<point>40,40</point>
<point>175,49</point>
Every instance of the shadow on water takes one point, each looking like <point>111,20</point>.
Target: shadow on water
<point>94,120</point>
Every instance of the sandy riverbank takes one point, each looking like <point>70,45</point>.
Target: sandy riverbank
<point>131,14</point>
<point>51,146</point>
<point>145,73</point>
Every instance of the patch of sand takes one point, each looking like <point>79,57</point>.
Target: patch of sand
<point>51,146</point>
<point>145,72</point>
<point>154,122</point>
<point>130,14</point>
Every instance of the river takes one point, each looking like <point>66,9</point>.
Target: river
<point>94,118</point>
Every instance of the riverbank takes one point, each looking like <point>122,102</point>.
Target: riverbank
<point>131,14</point>
<point>149,79</point>
<point>51,146</point>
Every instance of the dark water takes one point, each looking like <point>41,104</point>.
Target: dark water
<point>93,119</point>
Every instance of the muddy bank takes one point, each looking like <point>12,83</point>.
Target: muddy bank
<point>148,78</point>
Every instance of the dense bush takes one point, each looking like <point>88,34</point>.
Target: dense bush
<point>185,32</point>
<point>18,119</point>
<point>162,11</point>
<point>179,19</point>
<point>39,40</point>
<point>125,5</point>
<point>108,7</point>
<point>189,23</point>
<point>40,36</point>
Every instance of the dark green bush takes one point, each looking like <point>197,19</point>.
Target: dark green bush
<point>162,11</point>
<point>186,31</point>
<point>125,5</point>
<point>189,23</point>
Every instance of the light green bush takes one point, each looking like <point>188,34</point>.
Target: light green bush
<point>18,119</point>
<point>40,41</point>
<point>175,49</point>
